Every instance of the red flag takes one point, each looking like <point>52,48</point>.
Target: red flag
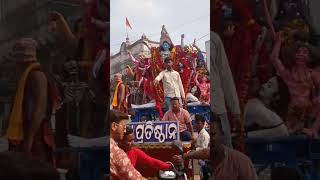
<point>127,23</point>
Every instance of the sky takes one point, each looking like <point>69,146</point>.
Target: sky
<point>188,17</point>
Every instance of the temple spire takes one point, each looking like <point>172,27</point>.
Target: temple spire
<point>127,39</point>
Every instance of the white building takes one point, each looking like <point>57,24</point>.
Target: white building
<point>120,60</point>
<point>208,54</point>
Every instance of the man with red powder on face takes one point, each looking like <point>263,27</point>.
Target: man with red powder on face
<point>137,156</point>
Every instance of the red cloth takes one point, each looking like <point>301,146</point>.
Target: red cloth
<point>137,156</point>
<point>185,75</point>
<point>216,16</point>
<point>240,48</point>
<point>243,10</point>
<point>264,67</point>
<point>163,153</point>
<point>156,67</point>
<point>94,34</point>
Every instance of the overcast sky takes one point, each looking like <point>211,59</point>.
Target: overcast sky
<point>187,17</point>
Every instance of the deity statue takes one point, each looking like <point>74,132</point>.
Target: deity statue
<point>301,81</point>
<point>204,87</point>
<point>166,44</point>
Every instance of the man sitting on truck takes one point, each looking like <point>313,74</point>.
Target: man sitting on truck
<point>182,116</point>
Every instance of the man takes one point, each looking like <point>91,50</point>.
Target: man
<point>182,116</point>
<point>223,91</point>
<point>119,101</point>
<point>36,100</point>
<point>227,164</point>
<point>172,84</point>
<point>203,138</point>
<point>120,165</point>
<point>202,142</point>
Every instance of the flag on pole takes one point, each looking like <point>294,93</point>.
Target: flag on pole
<point>128,24</point>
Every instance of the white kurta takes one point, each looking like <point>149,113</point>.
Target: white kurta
<point>203,139</point>
<point>223,91</point>
<point>172,84</point>
<point>256,112</point>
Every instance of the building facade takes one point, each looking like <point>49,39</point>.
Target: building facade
<point>207,43</point>
<point>120,60</point>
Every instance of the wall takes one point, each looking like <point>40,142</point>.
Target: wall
<point>208,54</point>
<point>119,61</point>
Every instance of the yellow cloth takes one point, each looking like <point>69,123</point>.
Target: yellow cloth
<point>173,54</point>
<point>15,128</point>
<point>115,95</point>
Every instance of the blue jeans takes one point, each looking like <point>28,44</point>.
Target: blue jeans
<point>185,136</point>
<point>225,128</point>
<point>167,103</point>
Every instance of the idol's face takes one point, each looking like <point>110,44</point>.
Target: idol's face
<point>302,56</point>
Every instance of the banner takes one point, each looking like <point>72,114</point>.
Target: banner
<point>155,131</point>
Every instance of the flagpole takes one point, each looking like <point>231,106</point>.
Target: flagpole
<point>127,31</point>
<point>127,28</point>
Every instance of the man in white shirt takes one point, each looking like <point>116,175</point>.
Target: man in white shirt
<point>172,84</point>
<point>223,91</point>
<point>203,138</point>
<point>202,142</point>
